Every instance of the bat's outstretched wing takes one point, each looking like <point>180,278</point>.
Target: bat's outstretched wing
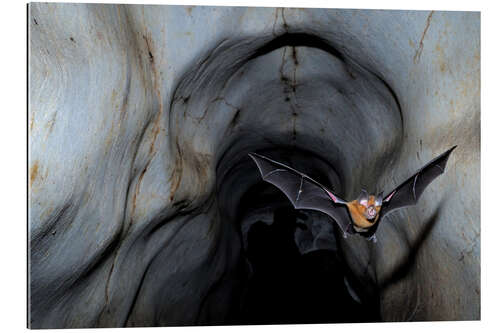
<point>303,191</point>
<point>410,191</point>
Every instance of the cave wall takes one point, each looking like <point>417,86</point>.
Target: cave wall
<point>141,118</point>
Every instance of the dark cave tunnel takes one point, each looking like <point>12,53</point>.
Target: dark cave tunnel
<point>285,284</point>
<point>287,287</point>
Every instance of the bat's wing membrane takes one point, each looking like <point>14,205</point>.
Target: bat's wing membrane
<point>410,191</point>
<point>303,191</point>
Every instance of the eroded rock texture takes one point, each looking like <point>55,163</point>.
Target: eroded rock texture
<point>141,191</point>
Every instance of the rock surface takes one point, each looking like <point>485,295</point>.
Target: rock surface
<point>141,118</point>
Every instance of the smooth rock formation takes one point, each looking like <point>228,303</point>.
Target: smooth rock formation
<point>141,191</point>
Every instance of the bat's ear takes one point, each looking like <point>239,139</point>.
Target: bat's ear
<point>378,199</point>
<point>363,198</point>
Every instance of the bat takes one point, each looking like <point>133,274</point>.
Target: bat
<point>359,216</point>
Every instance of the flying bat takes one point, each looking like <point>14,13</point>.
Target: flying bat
<point>360,216</point>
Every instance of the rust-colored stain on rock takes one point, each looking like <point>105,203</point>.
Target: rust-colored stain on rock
<point>33,172</point>
<point>32,122</point>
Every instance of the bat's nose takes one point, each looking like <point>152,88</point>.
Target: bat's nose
<point>371,211</point>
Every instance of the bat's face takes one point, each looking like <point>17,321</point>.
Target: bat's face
<point>370,207</point>
<point>365,210</point>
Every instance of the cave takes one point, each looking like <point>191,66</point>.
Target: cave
<point>145,208</point>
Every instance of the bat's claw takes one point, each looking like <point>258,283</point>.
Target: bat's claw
<point>373,238</point>
<point>344,235</point>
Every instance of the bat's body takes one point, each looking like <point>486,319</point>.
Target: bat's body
<point>361,215</point>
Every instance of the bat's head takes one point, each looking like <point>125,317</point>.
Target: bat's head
<point>370,204</point>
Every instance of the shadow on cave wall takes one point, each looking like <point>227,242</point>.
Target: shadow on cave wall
<point>404,267</point>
